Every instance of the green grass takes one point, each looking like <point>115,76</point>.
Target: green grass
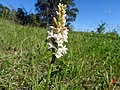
<point>90,63</point>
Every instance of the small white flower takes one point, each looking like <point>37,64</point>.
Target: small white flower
<point>64,50</point>
<point>58,36</point>
<point>64,21</point>
<point>58,54</point>
<point>59,50</point>
<point>65,32</point>
<point>60,42</point>
<point>50,34</point>
<point>50,45</point>
<point>65,38</point>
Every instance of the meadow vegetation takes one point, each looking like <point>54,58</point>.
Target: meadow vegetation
<point>92,61</point>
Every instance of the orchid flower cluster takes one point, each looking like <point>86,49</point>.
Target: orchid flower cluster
<point>57,35</point>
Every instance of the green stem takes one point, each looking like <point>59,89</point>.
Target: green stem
<point>48,77</point>
<point>49,73</point>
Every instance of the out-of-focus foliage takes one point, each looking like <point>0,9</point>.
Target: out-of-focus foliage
<point>46,10</point>
<point>101,27</point>
<point>4,11</point>
<point>20,16</point>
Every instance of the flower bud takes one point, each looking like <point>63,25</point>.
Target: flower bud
<point>52,27</point>
<point>55,21</point>
<point>57,13</point>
